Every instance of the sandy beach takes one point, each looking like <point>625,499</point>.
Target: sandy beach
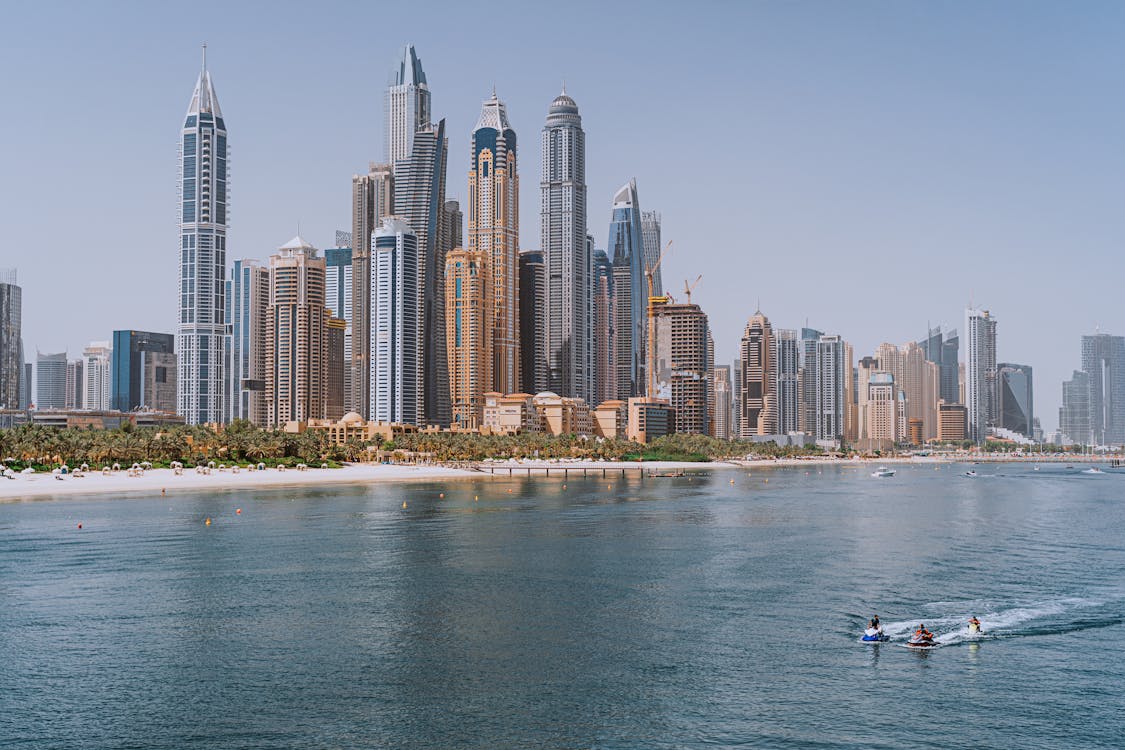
<point>27,486</point>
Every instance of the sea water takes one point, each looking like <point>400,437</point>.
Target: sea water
<point>614,612</point>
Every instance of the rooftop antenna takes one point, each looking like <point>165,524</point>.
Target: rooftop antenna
<point>205,57</point>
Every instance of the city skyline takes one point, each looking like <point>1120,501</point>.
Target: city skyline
<point>748,248</point>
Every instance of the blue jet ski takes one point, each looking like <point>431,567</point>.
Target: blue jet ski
<point>875,635</point>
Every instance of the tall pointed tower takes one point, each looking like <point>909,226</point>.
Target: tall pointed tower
<point>407,105</point>
<point>202,331</point>
<point>494,220</point>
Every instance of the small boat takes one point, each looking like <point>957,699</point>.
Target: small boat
<point>970,473</point>
<point>875,635</point>
<point>883,471</point>
<point>1093,470</point>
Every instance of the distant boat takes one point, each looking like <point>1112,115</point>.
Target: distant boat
<point>883,471</point>
<point>1093,470</point>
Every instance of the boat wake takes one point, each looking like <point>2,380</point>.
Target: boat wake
<point>949,620</point>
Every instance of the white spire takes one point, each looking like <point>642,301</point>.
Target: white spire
<point>203,98</point>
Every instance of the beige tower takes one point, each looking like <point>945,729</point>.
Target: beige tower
<point>296,377</point>
<point>757,402</point>
<point>468,313</point>
<point>494,220</point>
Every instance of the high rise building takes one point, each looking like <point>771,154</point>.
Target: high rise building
<point>630,288</point>
<point>76,385</point>
<point>25,383</point>
<point>831,372</point>
<point>682,364</point>
<point>468,330</point>
<point>338,294</point>
<point>980,373</point>
<point>605,373</point>
<point>787,379</point>
<point>96,374</point>
<point>296,335</point>
<point>759,375</point>
<point>809,338</point>
<point>921,386</point>
<point>202,331</point>
<point>651,240</point>
<point>721,388</point>
<point>396,318</point>
<point>372,199</point>
<point>407,106</point>
<point>248,299</point>
<point>420,202</point>
<point>1074,414</point>
<point>335,378</point>
<point>1014,389</point>
<point>143,372</point>
<point>494,221</point>
<point>50,383</point>
<point>533,323</point>
<point>942,350</point>
<point>1103,359</point>
<point>11,348</point>
<point>882,427</point>
<point>562,226</point>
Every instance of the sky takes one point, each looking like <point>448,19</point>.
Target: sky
<point>869,168</point>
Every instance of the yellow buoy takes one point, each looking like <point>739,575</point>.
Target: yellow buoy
<point>476,497</point>
<point>732,481</point>
<point>207,522</point>
<point>404,503</point>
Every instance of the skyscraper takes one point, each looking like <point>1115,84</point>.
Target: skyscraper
<point>11,348</point>
<point>942,350</point>
<point>420,202</point>
<point>494,221</point>
<point>248,299</point>
<point>143,372</point>
<point>759,407</point>
<point>468,330</point>
<point>787,379</point>
<point>562,190</point>
<point>76,386</point>
<point>204,198</point>
<point>296,336</point>
<point>372,199</point>
<point>533,323</point>
<point>605,374</point>
<point>396,319</point>
<point>1103,359</point>
<point>980,373</point>
<point>1015,393</point>
<point>626,248</point>
<point>1074,414</point>
<point>831,372</point>
<point>682,356</point>
<point>407,107</point>
<point>809,338</point>
<point>721,389</point>
<point>50,381</point>
<point>338,296</point>
<point>650,238</point>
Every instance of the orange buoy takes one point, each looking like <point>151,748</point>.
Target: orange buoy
<point>564,486</point>
<point>509,490</point>
<point>238,511</point>
<point>79,525</point>
<point>441,494</point>
<point>207,522</point>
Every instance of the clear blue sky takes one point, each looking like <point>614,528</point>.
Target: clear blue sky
<point>869,167</point>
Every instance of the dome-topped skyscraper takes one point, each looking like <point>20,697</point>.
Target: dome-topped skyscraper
<point>566,251</point>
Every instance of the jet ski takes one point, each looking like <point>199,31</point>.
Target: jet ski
<point>883,471</point>
<point>970,473</point>
<point>921,641</point>
<point>974,628</point>
<point>1093,470</point>
<point>875,635</point>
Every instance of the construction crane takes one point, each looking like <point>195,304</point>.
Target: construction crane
<point>652,303</point>
<point>688,289</point>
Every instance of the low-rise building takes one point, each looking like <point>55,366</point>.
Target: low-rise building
<point>353,427</point>
<point>509,415</point>
<point>649,418</point>
<point>562,416</point>
<point>610,419</point>
<point>951,421</point>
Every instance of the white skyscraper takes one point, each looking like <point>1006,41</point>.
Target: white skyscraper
<point>831,373</point>
<point>980,372</point>
<point>95,371</point>
<point>202,331</point>
<point>565,252</point>
<point>407,106</point>
<point>396,331</point>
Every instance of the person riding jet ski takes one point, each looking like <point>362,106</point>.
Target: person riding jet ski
<point>974,624</point>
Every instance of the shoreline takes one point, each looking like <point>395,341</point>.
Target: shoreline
<point>153,481</point>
